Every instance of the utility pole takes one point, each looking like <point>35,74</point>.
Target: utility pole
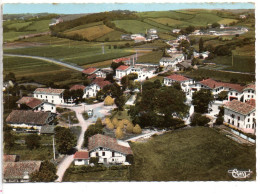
<point>232,59</point>
<point>103,49</point>
<point>53,148</point>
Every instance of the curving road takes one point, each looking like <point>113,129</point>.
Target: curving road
<point>99,111</point>
<point>74,67</point>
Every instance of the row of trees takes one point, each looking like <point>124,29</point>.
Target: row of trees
<point>75,95</point>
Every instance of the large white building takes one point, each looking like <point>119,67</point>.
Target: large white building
<point>122,71</point>
<point>54,96</point>
<point>215,86</point>
<point>172,61</point>
<point>241,115</point>
<point>109,150</point>
<point>184,82</point>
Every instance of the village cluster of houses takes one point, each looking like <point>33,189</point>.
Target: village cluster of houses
<point>239,108</point>
<point>150,35</point>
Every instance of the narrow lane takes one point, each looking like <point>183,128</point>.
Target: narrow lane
<point>99,111</point>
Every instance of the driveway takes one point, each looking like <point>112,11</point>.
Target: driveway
<point>100,111</point>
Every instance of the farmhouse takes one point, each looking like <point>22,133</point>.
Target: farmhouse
<point>19,171</point>
<point>34,104</point>
<point>77,87</point>
<point>109,150</point>
<point>184,65</point>
<point>249,92</point>
<point>143,72</point>
<point>184,82</point>
<point>215,86</point>
<point>122,71</point>
<point>54,96</point>
<point>241,115</point>
<point>152,31</point>
<point>172,61</point>
<point>81,158</point>
<point>89,71</point>
<point>126,61</point>
<point>97,85</point>
<point>29,120</point>
<point>202,55</point>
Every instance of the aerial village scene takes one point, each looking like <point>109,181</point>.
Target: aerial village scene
<point>129,94</point>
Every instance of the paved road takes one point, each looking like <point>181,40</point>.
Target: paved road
<point>74,67</point>
<point>99,111</point>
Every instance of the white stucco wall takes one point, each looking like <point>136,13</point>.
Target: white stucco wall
<point>106,154</point>
<point>248,94</point>
<point>79,162</point>
<point>52,98</point>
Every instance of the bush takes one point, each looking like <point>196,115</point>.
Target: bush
<point>199,120</point>
<point>94,160</point>
<point>219,120</point>
<point>110,126</point>
<point>121,124</point>
<point>119,133</point>
<point>108,101</point>
<point>137,129</point>
<point>32,141</point>
<point>115,121</point>
<point>129,127</point>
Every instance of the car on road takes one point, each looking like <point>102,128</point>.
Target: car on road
<point>90,112</point>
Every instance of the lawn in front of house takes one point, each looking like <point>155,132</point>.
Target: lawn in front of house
<point>69,117</point>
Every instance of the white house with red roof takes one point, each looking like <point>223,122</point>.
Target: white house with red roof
<point>34,104</point>
<point>94,87</point>
<point>184,82</point>
<point>81,158</point>
<point>109,150</point>
<point>241,115</point>
<point>249,92</point>
<point>51,95</point>
<point>90,71</point>
<point>122,71</point>
<point>216,87</point>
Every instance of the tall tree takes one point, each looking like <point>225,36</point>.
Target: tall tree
<point>201,45</point>
<point>201,100</point>
<point>65,140</point>
<point>47,173</point>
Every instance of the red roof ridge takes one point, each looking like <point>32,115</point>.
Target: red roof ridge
<point>123,67</point>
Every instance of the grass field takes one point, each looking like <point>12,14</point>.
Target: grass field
<point>169,21</point>
<point>111,36</point>
<point>179,15</point>
<point>195,154</point>
<point>44,152</point>
<point>85,26</point>
<point>135,26</point>
<point>222,76</point>
<point>80,55</point>
<point>92,33</point>
<point>227,21</point>
<point>28,28</point>
<point>38,70</point>
<point>152,57</point>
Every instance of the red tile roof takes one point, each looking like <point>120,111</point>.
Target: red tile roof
<point>250,86</point>
<point>28,117</point>
<point>48,91</point>
<point>98,79</point>
<point>81,155</point>
<point>239,107</point>
<point>123,67</point>
<point>101,82</point>
<point>17,170</point>
<point>177,77</point>
<point>77,87</point>
<point>121,59</point>
<point>93,76</point>
<point>100,140</point>
<point>251,102</point>
<point>29,101</point>
<point>10,158</point>
<point>215,84</point>
<point>90,70</point>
